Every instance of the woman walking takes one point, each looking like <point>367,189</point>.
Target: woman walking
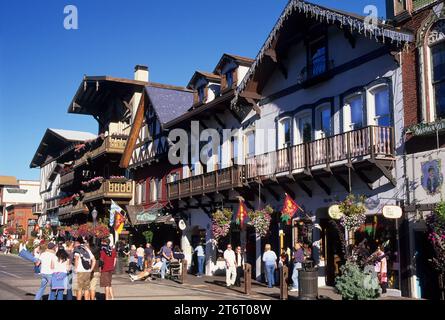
<point>132,260</point>
<point>270,260</point>
<point>60,266</point>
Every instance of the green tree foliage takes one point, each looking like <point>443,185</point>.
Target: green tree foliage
<point>357,284</point>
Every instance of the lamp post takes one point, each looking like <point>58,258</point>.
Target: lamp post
<point>94,215</point>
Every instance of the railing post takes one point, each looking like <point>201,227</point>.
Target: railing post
<point>348,146</point>
<point>247,278</point>
<point>326,149</point>
<point>202,183</point>
<point>216,180</point>
<point>393,142</point>
<point>291,159</point>
<point>371,142</point>
<point>284,272</point>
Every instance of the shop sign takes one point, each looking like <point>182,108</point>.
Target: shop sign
<point>146,217</point>
<point>182,225</point>
<point>392,212</point>
<point>335,212</point>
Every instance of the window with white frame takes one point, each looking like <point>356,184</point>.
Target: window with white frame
<point>353,112</point>
<point>284,132</point>
<point>143,192</point>
<point>379,108</point>
<point>234,149</point>
<point>323,121</point>
<point>303,127</point>
<point>249,139</point>
<point>438,78</point>
<point>159,189</point>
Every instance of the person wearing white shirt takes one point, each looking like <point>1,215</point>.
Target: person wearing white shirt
<point>270,261</point>
<point>229,257</point>
<point>45,270</point>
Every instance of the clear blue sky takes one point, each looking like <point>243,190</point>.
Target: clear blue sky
<point>42,64</point>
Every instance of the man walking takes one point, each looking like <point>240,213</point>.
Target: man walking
<point>239,260</point>
<point>84,263</point>
<point>298,259</point>
<point>201,259</point>
<point>166,256</point>
<point>229,257</point>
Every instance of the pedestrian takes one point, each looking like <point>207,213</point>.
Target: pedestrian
<point>270,261</point>
<point>230,259</point>
<point>381,267</point>
<point>132,259</point>
<point>166,255</point>
<point>60,266</point>
<point>95,274</point>
<point>239,260</point>
<point>298,259</point>
<point>201,259</point>
<point>140,254</point>
<point>148,255</point>
<point>108,258</point>
<point>8,245</point>
<point>84,263</point>
<point>69,248</point>
<point>46,271</point>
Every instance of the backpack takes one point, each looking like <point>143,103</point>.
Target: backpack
<point>84,257</point>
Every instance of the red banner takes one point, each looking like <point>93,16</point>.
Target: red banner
<point>241,215</point>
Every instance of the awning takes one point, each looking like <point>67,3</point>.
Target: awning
<point>140,215</point>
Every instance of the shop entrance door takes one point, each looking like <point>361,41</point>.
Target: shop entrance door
<point>332,251</point>
<point>427,283</point>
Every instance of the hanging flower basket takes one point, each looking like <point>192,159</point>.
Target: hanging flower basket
<point>353,210</point>
<point>87,230</point>
<point>221,223</point>
<point>260,220</point>
<point>436,234</point>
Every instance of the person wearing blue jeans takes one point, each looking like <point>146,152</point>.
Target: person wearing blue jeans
<point>270,261</point>
<point>46,271</point>
<point>166,256</point>
<point>298,259</point>
<point>201,259</point>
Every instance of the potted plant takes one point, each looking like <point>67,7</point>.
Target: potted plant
<point>353,210</point>
<point>221,223</point>
<point>357,284</point>
<point>436,234</point>
<point>260,220</point>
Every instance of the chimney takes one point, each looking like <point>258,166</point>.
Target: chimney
<point>141,73</point>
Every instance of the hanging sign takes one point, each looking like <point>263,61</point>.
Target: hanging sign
<point>392,212</point>
<point>334,212</point>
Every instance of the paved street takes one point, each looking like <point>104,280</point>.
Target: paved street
<point>18,282</point>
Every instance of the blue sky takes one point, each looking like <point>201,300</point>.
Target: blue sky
<point>42,64</point>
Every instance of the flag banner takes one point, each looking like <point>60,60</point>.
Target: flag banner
<point>119,222</point>
<point>290,207</point>
<point>241,215</point>
<point>113,210</point>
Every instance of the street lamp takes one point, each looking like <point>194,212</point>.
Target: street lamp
<point>94,215</point>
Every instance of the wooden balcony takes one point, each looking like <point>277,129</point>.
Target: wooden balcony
<point>220,180</point>
<point>72,209</point>
<point>371,143</point>
<point>111,189</point>
<point>110,145</point>
<point>67,179</point>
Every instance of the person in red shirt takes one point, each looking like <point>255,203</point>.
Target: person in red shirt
<point>108,258</point>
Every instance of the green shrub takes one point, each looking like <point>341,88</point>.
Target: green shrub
<point>356,284</point>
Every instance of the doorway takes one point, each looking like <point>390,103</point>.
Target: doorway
<point>427,280</point>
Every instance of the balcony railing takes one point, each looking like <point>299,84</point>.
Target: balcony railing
<point>419,4</point>
<point>67,179</point>
<point>37,208</point>
<point>219,180</point>
<point>72,208</point>
<point>372,141</point>
<point>110,144</point>
<point>111,189</point>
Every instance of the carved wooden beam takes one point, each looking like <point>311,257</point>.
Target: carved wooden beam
<point>322,185</point>
<point>305,188</point>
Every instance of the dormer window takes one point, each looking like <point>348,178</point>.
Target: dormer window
<point>317,57</point>
<point>201,94</point>
<point>229,79</point>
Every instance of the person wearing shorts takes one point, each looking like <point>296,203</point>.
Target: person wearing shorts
<point>83,273</point>
<point>108,258</point>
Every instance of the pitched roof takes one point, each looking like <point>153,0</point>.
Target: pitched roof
<point>8,181</point>
<point>243,61</point>
<point>355,22</point>
<point>55,141</point>
<point>71,135</point>
<point>209,76</point>
<point>169,102</point>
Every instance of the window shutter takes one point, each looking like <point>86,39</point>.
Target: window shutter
<point>223,82</point>
<point>235,78</point>
<point>195,97</point>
